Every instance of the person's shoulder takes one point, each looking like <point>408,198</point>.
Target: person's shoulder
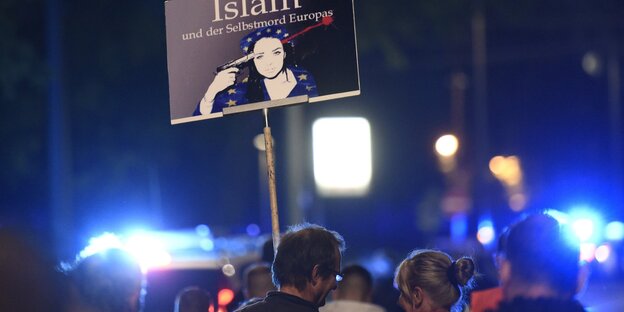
<point>253,305</point>
<point>348,305</point>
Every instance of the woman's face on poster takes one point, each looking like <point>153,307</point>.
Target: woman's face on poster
<point>270,57</point>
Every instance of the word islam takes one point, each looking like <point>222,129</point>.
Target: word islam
<point>240,8</point>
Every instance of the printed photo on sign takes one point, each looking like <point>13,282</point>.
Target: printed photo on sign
<point>224,54</point>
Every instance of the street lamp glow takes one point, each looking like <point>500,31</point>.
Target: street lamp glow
<point>342,156</point>
<point>447,145</point>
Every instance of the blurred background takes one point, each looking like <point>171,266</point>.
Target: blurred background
<point>471,113</point>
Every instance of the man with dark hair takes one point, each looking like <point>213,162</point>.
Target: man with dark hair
<point>355,292</point>
<point>306,268</point>
<point>108,281</point>
<point>539,267</point>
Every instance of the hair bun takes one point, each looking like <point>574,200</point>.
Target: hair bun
<point>463,269</point>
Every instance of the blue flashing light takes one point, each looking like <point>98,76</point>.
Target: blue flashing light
<point>253,230</point>
<point>602,253</point>
<point>206,244</point>
<point>585,222</point>
<point>486,232</point>
<point>584,229</point>
<point>459,226</point>
<point>203,230</point>
<point>101,243</point>
<point>614,231</point>
<point>561,217</point>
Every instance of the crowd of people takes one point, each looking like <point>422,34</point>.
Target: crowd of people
<point>307,268</point>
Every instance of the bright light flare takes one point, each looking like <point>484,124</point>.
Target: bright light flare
<point>584,229</point>
<point>148,250</point>
<point>228,270</point>
<point>486,233</point>
<point>101,243</point>
<point>588,251</point>
<point>342,156</point>
<point>614,231</point>
<point>585,222</point>
<point>602,253</point>
<point>561,217</point>
<point>447,145</point>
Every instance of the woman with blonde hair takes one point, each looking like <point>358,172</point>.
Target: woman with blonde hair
<point>431,281</point>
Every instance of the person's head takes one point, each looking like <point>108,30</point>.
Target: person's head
<point>257,281</point>
<point>192,299</point>
<point>308,258</point>
<point>356,284</point>
<point>430,280</point>
<point>539,259</point>
<point>108,281</point>
<point>272,57</point>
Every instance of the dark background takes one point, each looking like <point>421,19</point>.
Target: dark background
<point>87,145</point>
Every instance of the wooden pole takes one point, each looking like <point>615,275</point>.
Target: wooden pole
<point>268,143</point>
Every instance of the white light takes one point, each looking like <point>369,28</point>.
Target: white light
<point>584,229</point>
<point>591,63</point>
<point>587,251</point>
<point>228,270</point>
<point>561,217</point>
<point>148,250</point>
<point>585,223</point>
<point>614,231</point>
<point>447,145</point>
<point>602,253</point>
<point>342,156</point>
<point>258,142</point>
<point>486,232</point>
<point>101,243</point>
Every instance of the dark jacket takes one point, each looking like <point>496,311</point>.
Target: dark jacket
<point>276,301</point>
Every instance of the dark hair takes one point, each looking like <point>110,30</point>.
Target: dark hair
<point>250,279</point>
<point>357,271</point>
<point>300,249</point>
<point>255,92</point>
<point>540,252</point>
<point>437,274</point>
<point>107,280</point>
<point>192,299</point>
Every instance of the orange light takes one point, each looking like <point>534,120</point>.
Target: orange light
<point>225,296</point>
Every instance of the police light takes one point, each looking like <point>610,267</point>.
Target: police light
<point>486,233</point>
<point>101,243</point>
<point>614,231</point>
<point>342,156</point>
<point>588,251</point>
<point>602,253</point>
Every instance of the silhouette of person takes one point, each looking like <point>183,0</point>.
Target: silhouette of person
<point>539,267</point>
<point>305,270</point>
<point>108,281</point>
<point>192,299</point>
<point>354,293</point>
